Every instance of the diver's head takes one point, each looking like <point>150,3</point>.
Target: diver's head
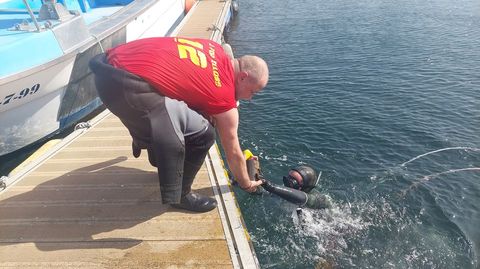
<point>301,178</point>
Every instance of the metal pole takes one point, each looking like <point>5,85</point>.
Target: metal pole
<point>32,15</point>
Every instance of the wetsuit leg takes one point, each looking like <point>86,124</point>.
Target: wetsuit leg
<point>197,135</point>
<point>196,147</point>
<point>168,154</point>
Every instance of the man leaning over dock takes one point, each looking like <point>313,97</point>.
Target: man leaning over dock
<point>172,93</point>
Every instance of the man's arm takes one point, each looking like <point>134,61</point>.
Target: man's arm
<point>227,127</point>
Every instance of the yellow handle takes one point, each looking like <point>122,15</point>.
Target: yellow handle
<point>248,154</point>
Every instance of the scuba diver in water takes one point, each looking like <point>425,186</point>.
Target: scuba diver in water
<point>299,188</point>
<point>299,185</point>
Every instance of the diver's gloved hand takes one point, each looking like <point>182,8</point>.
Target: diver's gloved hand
<point>297,197</point>
<point>267,185</point>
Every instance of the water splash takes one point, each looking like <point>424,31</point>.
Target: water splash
<point>318,237</point>
<point>332,229</point>
<point>439,150</point>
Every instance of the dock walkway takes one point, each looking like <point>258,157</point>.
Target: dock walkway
<point>87,203</point>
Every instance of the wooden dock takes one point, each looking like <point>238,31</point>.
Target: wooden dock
<point>87,203</point>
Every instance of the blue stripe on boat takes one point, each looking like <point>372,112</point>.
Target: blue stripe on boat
<point>21,52</point>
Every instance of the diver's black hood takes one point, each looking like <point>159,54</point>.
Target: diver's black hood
<point>309,176</point>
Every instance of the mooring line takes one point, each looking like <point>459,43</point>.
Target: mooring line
<point>438,150</point>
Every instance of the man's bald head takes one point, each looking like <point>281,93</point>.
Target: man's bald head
<point>256,67</point>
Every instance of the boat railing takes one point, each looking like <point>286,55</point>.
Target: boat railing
<point>32,16</point>
<point>17,10</point>
<point>49,11</point>
<point>30,11</point>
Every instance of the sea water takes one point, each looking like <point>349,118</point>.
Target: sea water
<point>383,97</point>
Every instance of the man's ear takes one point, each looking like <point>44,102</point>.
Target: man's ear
<point>243,75</point>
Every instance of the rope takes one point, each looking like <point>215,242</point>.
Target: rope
<point>3,184</point>
<point>82,125</point>
<point>99,43</point>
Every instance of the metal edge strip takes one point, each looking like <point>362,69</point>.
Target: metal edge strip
<point>232,248</point>
<point>244,246</point>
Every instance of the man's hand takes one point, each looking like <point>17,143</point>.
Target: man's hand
<point>252,186</point>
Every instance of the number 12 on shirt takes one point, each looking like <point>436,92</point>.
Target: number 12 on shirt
<point>193,50</point>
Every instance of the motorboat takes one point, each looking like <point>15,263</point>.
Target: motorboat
<point>45,46</point>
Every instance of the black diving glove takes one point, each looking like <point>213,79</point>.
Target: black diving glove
<point>292,195</point>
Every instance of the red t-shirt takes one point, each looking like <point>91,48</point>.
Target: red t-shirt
<point>196,71</point>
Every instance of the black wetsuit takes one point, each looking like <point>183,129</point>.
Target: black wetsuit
<point>313,199</point>
<point>177,138</point>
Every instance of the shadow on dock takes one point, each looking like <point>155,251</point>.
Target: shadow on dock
<point>104,205</point>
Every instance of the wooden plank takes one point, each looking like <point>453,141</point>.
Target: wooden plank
<point>74,230</point>
<point>104,178</point>
<point>86,193</point>
<point>118,164</point>
<point>96,144</point>
<point>109,129</point>
<point>201,24</point>
<point>126,254</point>
<point>62,194</point>
<point>84,210</point>
<point>98,178</point>
<point>105,153</point>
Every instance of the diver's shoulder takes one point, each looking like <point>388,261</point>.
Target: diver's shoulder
<point>318,200</point>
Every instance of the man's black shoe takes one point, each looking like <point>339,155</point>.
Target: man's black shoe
<point>196,202</point>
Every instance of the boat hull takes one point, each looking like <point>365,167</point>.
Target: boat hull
<point>53,97</point>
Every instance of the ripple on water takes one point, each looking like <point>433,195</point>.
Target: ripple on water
<point>358,89</point>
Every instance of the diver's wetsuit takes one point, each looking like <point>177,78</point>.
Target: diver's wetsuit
<point>177,138</point>
<point>313,199</point>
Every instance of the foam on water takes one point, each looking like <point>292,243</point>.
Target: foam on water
<point>324,233</point>
<point>332,228</point>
